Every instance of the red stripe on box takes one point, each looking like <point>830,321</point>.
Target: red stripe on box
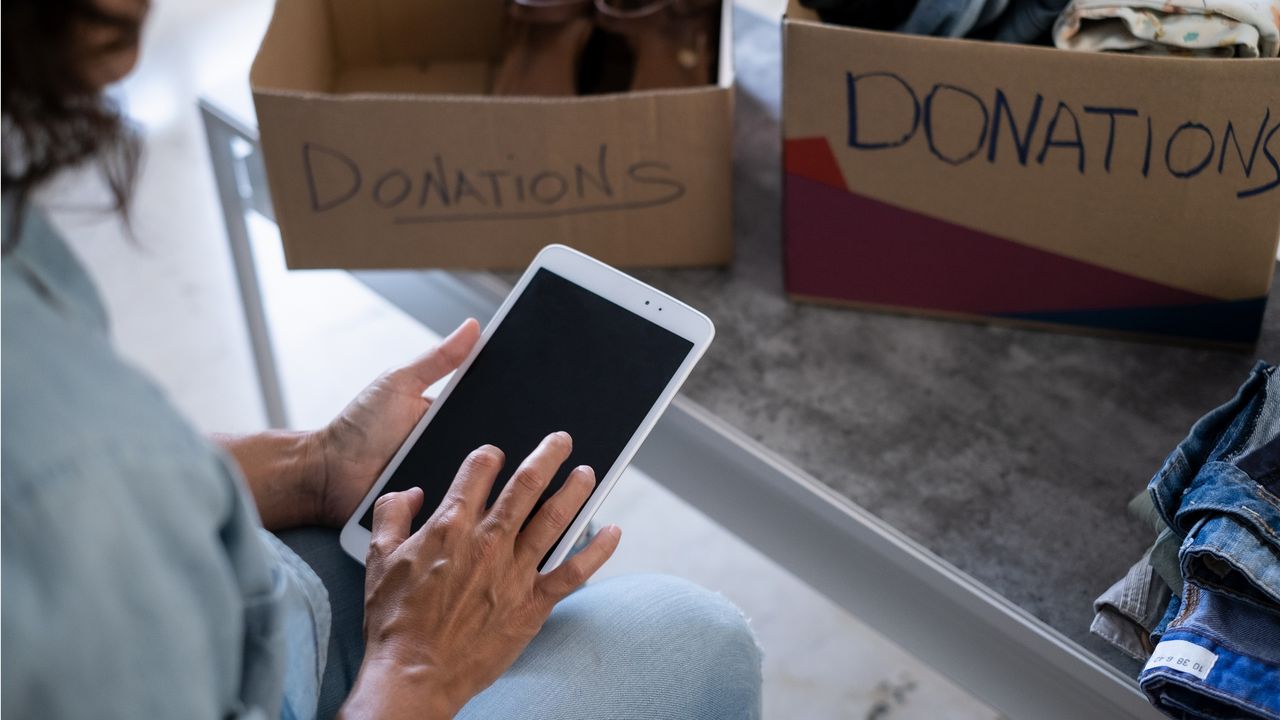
<point>845,246</point>
<point>811,158</point>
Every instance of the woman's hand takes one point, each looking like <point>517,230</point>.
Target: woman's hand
<point>450,607</point>
<point>353,449</point>
<point>320,477</point>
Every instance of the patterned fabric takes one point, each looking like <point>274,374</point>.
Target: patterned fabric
<point>1208,28</point>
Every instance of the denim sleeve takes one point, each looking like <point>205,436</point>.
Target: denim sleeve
<point>120,598</point>
<point>307,621</point>
<point>136,580</point>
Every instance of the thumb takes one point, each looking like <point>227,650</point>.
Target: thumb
<point>393,515</point>
<point>445,357</point>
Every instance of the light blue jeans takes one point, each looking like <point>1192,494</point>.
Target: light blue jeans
<point>637,646</point>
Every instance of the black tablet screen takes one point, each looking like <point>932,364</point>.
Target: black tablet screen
<point>563,359</point>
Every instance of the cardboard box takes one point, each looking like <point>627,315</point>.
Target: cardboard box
<point>979,180</point>
<point>383,149</point>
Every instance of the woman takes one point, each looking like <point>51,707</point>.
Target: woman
<point>140,579</point>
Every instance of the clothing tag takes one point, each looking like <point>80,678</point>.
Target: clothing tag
<point>1182,655</point>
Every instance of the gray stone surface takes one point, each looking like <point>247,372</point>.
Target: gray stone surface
<point>1010,453</point>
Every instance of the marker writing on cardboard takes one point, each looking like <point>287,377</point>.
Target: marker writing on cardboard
<point>947,116</point>
<point>441,192</point>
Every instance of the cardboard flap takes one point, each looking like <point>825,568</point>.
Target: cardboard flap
<point>387,46</point>
<point>297,51</point>
<point>796,11</point>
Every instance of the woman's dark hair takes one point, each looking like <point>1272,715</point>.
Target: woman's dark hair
<point>53,118</point>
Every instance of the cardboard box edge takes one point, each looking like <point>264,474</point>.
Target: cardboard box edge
<point>1039,326</point>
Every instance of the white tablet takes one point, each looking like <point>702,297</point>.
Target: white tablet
<point>577,346</point>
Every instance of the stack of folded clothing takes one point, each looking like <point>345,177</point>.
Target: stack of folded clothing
<point>1209,28</point>
<point>1202,606</point>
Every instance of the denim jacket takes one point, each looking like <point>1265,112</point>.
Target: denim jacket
<point>137,581</point>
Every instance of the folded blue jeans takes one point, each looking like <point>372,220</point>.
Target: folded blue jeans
<point>1216,490</point>
<point>1218,651</point>
<point>1218,658</point>
<point>1170,612</point>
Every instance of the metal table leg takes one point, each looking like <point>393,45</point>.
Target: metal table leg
<point>234,197</point>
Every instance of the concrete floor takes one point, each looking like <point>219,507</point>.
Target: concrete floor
<point>176,314</point>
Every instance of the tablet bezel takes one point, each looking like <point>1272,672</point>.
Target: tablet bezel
<point>612,285</point>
